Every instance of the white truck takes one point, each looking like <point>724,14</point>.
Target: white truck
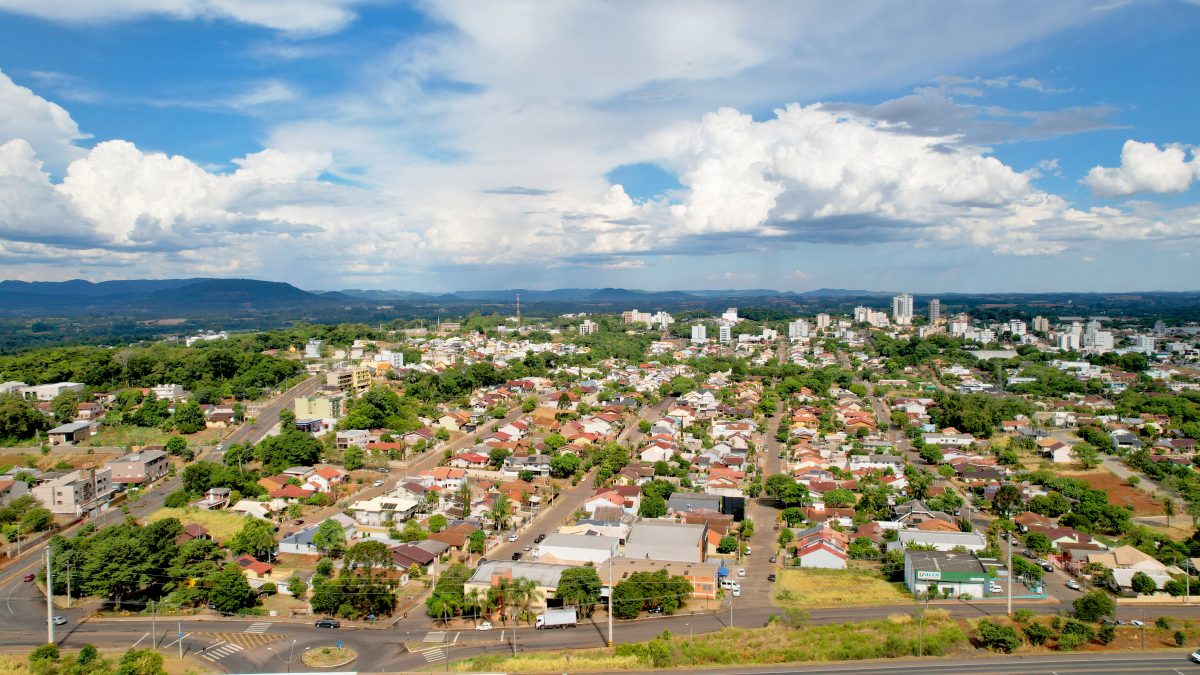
<point>557,618</point>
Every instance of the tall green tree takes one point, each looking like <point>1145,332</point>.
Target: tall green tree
<point>330,538</point>
<point>256,538</point>
<point>579,587</point>
<point>230,590</point>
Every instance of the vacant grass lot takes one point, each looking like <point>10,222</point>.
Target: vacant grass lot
<point>743,646</point>
<point>813,588</point>
<point>221,526</point>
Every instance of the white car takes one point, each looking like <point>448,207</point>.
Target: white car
<point>737,592</point>
<point>741,571</point>
<point>1137,623</point>
<point>58,620</point>
<point>1195,656</point>
<point>994,587</point>
<point>512,537</point>
<point>486,625</point>
<point>377,483</point>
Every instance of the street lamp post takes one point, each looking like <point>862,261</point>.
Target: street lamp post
<point>1143,627</point>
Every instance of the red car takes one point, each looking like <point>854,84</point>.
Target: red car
<point>28,577</point>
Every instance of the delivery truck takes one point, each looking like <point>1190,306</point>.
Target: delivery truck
<point>557,618</point>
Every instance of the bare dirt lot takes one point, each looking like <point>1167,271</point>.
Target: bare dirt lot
<point>1119,492</point>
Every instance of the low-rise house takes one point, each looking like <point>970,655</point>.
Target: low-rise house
<point>11,489</point>
<point>1121,580</point>
<point>70,433</point>
<point>538,465</point>
<point>545,577</point>
<point>821,554</point>
<point>215,498</point>
<point>470,460</point>
<point>693,502</point>
<point>948,437</point>
<point>383,511</point>
<point>300,542</point>
<point>253,568</point>
<point>327,478</point>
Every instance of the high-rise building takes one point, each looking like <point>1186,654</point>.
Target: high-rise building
<point>726,333</point>
<point>634,316</point>
<point>588,327</point>
<point>935,311</point>
<point>1016,327</point>
<point>699,333</point>
<point>1041,324</point>
<point>730,315</point>
<point>1143,344</point>
<point>902,309</point>
<point>823,321</point>
<point>798,329</point>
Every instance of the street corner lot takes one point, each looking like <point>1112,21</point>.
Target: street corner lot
<point>816,588</point>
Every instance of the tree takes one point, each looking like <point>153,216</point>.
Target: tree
<point>19,419</point>
<point>792,515</point>
<point>839,498</point>
<point>727,544</point>
<point>652,506</point>
<point>1168,507</point>
<point>863,548</point>
<point>1086,454</point>
<point>1094,606</point>
<point>998,638</point>
<point>555,441</point>
<point>438,522</point>
<point>564,465</point>
<point>330,538</point>
<point>497,456</point>
<point>369,556</point>
<point>188,418</point>
<point>65,406</point>
<point>1006,500</point>
<point>499,513</point>
<point>352,459</point>
<point>1107,634</point>
<point>477,542</point>
<point>230,590</point>
<point>256,538</point>
<point>1142,584</point>
<point>176,445</point>
<point>579,587</point>
<point>297,587</point>
<point>1038,542</point>
<point>785,537</point>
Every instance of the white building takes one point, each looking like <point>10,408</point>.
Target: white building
<point>726,333</point>
<point>798,330</point>
<point>47,392</point>
<point>699,333</point>
<point>902,309</point>
<point>396,359</point>
<point>661,319</point>
<point>1016,327</point>
<point>1143,344</point>
<point>1067,342</point>
<point>167,392</point>
<point>312,349</point>
<point>823,321</point>
<point>588,327</point>
<point>935,311</point>
<point>579,548</point>
<point>730,315</point>
<point>635,316</point>
<point>1041,324</point>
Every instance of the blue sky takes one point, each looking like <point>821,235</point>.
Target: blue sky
<point>439,146</point>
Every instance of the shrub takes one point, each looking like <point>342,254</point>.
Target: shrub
<point>1163,622</point>
<point>1056,623</point>
<point>1072,627</point>
<point>1179,638</point>
<point>269,588</point>
<point>1107,634</point>
<point>1023,616</point>
<point>998,638</point>
<point>1037,634</point>
<point>1176,587</point>
<point>1142,584</point>
<point>1069,642</point>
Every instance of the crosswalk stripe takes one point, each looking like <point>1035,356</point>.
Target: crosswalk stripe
<point>433,655</point>
<point>220,651</point>
<point>435,636</point>
<point>259,627</point>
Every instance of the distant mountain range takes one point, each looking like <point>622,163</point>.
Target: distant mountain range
<point>262,303</point>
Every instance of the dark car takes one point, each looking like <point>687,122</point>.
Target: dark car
<point>539,539</point>
<point>771,577</point>
<point>1028,553</point>
<point>328,623</point>
<point>771,560</point>
<point>516,556</point>
<point>1047,566</point>
<point>298,521</point>
<point>28,577</point>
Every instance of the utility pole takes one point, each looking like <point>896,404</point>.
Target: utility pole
<point>610,604</point>
<point>731,609</point>
<point>49,599</point>
<point>68,585</point>
<point>179,626</point>
<point>153,628</point>
<point>1010,574</point>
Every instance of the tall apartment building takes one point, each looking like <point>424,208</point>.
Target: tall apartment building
<point>823,321</point>
<point>935,311</point>
<point>726,333</point>
<point>588,327</point>
<point>319,407</point>
<point>798,329</point>
<point>350,379</point>
<point>1041,324</point>
<point>699,333</point>
<point>902,309</point>
<point>1143,344</point>
<point>634,316</point>
<point>312,349</point>
<point>730,315</point>
<point>1016,327</point>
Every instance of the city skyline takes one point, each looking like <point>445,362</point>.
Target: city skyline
<point>331,144</point>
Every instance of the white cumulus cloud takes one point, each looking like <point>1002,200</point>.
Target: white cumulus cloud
<point>43,124</point>
<point>1146,168</point>
<point>291,16</point>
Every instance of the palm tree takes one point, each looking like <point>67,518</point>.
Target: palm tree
<point>441,609</point>
<point>525,594</point>
<point>499,511</point>
<point>475,600</point>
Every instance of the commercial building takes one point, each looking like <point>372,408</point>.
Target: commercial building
<point>703,577</point>
<point>666,541</point>
<point>940,541</point>
<point>545,577</point>
<point>319,407</point>
<point>70,433</point>
<point>47,392</point>
<point>580,548</point>
<point>350,379</point>
<point>77,493</point>
<point>139,468</point>
<point>958,573</point>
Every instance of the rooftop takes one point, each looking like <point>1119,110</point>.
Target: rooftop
<point>543,574</point>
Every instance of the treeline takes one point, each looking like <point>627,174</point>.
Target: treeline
<point>977,414</point>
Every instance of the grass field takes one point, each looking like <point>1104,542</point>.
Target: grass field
<point>777,643</point>
<point>813,588</point>
<point>124,436</point>
<point>221,526</point>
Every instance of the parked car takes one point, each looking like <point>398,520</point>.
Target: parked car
<point>377,483</point>
<point>1028,553</point>
<point>58,620</point>
<point>655,610</point>
<point>486,625</point>
<point>539,539</point>
<point>771,577</point>
<point>771,560</point>
<point>1046,565</point>
<point>512,537</point>
<point>28,577</point>
<point>994,587</point>
<point>1195,657</point>
<point>298,521</point>
<point>741,571</point>
<point>528,547</point>
<point>1074,585</point>
<point>1137,623</point>
<point>516,555</point>
<point>328,623</point>
<point>737,592</point>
